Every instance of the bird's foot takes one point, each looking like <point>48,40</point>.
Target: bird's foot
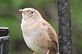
<point>34,51</point>
<point>48,52</point>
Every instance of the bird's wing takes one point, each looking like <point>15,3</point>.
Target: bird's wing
<point>54,46</point>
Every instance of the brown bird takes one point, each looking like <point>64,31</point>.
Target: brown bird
<point>38,34</point>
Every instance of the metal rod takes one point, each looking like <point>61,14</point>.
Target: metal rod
<point>4,40</point>
<point>65,38</point>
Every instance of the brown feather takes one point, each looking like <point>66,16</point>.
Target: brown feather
<point>53,44</point>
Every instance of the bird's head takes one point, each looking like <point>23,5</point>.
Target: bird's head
<point>30,13</point>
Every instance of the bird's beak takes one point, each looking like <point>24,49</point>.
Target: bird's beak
<point>21,10</point>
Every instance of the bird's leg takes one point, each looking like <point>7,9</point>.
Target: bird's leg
<point>48,52</point>
<point>34,51</point>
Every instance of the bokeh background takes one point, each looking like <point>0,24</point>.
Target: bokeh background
<point>11,17</point>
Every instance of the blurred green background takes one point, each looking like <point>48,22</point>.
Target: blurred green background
<point>11,17</point>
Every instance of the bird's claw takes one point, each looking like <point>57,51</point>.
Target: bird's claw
<point>47,52</point>
<point>34,51</point>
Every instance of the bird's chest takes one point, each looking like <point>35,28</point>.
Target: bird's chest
<point>31,34</point>
<point>30,29</point>
<point>32,39</point>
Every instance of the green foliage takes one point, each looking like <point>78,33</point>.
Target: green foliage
<point>39,2</point>
<point>17,3</point>
<point>76,14</point>
<point>4,1</point>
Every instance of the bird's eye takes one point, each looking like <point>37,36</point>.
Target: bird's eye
<point>32,12</point>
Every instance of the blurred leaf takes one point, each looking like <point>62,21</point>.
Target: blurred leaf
<point>39,2</point>
<point>17,3</point>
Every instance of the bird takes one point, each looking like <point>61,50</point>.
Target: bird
<point>38,34</point>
